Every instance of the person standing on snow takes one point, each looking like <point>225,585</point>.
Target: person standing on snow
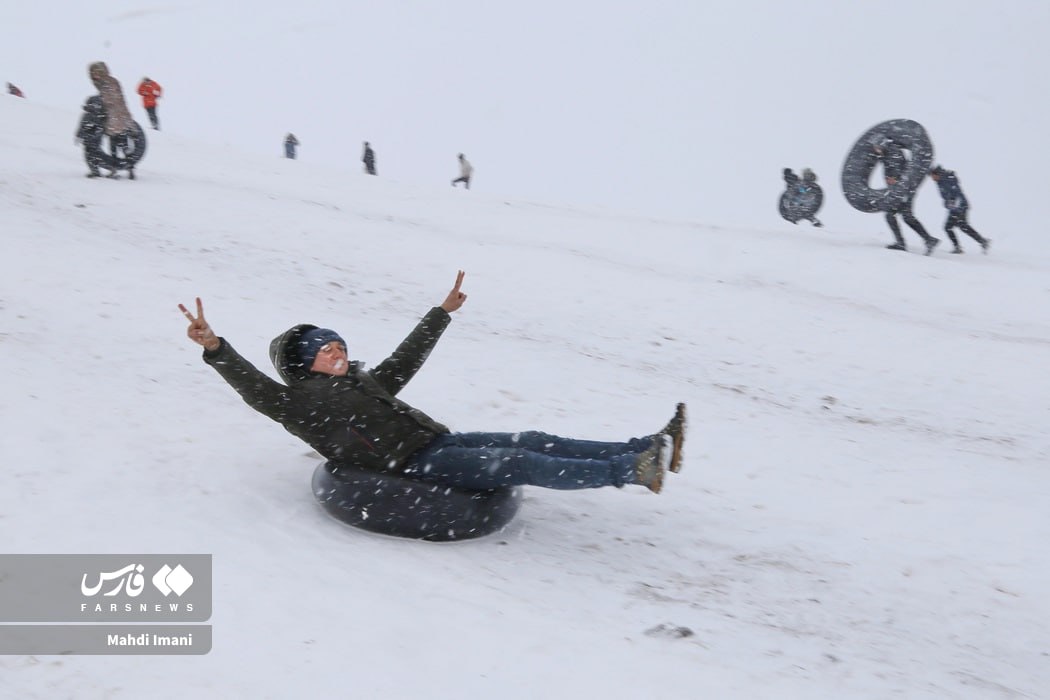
<point>13,90</point>
<point>466,171</point>
<point>290,144</point>
<point>369,159</point>
<point>893,163</point>
<point>352,416</point>
<point>150,91</point>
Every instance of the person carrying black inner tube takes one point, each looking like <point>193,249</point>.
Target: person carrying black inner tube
<point>799,189</point>
<point>119,123</point>
<point>90,131</point>
<point>894,162</point>
<point>958,206</point>
<point>352,416</point>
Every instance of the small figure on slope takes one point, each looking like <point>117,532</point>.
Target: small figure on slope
<point>958,207</point>
<point>369,159</point>
<point>802,198</point>
<point>150,91</point>
<point>90,131</point>
<point>466,171</point>
<point>894,162</point>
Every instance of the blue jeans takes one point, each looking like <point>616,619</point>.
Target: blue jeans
<point>492,460</point>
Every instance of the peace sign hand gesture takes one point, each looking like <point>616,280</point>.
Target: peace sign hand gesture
<point>199,331</point>
<point>455,298</point>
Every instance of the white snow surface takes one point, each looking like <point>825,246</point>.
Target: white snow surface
<point>863,506</point>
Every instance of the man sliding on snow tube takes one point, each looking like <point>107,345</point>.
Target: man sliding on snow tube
<point>352,416</point>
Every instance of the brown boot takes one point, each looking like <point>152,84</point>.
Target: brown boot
<point>675,429</point>
<point>652,464</point>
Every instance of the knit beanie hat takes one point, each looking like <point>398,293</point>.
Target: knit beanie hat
<point>312,341</point>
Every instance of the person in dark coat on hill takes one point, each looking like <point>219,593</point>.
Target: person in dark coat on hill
<point>290,144</point>
<point>90,132</point>
<point>13,90</point>
<point>957,205</point>
<point>369,159</point>
<point>893,163</point>
<point>352,416</point>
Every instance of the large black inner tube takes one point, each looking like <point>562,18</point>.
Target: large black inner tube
<point>862,159</point>
<point>135,148</point>
<point>796,205</point>
<point>395,505</point>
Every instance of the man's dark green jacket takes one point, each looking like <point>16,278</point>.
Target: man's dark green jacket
<point>354,419</point>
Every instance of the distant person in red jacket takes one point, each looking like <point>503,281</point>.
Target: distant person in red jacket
<point>13,90</point>
<point>150,91</point>
<point>958,206</point>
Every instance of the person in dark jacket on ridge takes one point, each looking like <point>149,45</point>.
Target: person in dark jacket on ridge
<point>290,144</point>
<point>351,415</point>
<point>957,205</point>
<point>369,159</point>
<point>893,163</point>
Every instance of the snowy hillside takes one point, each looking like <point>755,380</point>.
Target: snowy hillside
<point>862,509</point>
<point>861,512</point>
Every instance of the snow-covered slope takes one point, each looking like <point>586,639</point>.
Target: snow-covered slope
<point>861,512</point>
<point>862,508</point>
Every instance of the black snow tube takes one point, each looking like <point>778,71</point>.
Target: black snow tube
<point>395,505</point>
<point>136,148</point>
<point>795,205</point>
<point>856,171</point>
